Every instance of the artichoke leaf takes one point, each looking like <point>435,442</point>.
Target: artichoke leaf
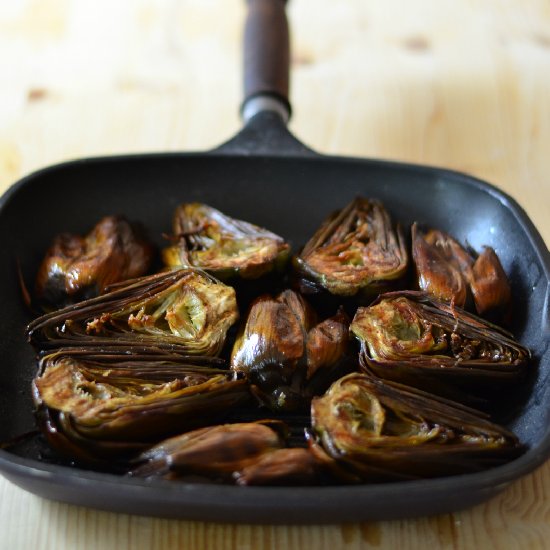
<point>138,363</point>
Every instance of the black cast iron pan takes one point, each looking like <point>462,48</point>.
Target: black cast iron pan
<point>264,175</point>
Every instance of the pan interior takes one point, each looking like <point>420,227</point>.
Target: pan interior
<point>287,195</point>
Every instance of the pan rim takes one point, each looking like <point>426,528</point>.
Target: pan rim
<point>293,505</point>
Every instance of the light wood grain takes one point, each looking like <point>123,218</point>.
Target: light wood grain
<point>462,84</point>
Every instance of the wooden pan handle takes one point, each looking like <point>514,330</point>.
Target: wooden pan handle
<point>266,56</point>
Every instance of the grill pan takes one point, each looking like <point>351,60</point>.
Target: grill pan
<point>266,176</point>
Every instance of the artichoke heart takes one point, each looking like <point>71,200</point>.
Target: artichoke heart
<point>94,406</point>
<point>226,247</point>
<point>449,273</point>
<point>287,355</point>
<point>356,250</point>
<point>185,308</point>
<point>76,267</point>
<point>411,338</point>
<point>385,431</point>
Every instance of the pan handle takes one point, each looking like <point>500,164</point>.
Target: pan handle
<point>266,59</point>
<point>265,109</point>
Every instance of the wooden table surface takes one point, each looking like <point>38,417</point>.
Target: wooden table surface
<point>461,84</point>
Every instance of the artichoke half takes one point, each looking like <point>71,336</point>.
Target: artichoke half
<point>75,267</point>
<point>381,431</point>
<point>224,246</point>
<point>113,404</point>
<point>184,308</point>
<point>409,337</point>
<point>286,354</point>
<point>449,273</point>
<point>355,251</point>
<point>251,453</point>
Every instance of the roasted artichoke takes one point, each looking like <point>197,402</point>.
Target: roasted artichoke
<point>411,338</point>
<point>449,273</point>
<point>383,431</point>
<point>76,267</point>
<point>250,453</point>
<point>113,403</point>
<point>490,287</point>
<point>226,247</point>
<point>186,308</point>
<point>356,251</point>
<point>286,354</point>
